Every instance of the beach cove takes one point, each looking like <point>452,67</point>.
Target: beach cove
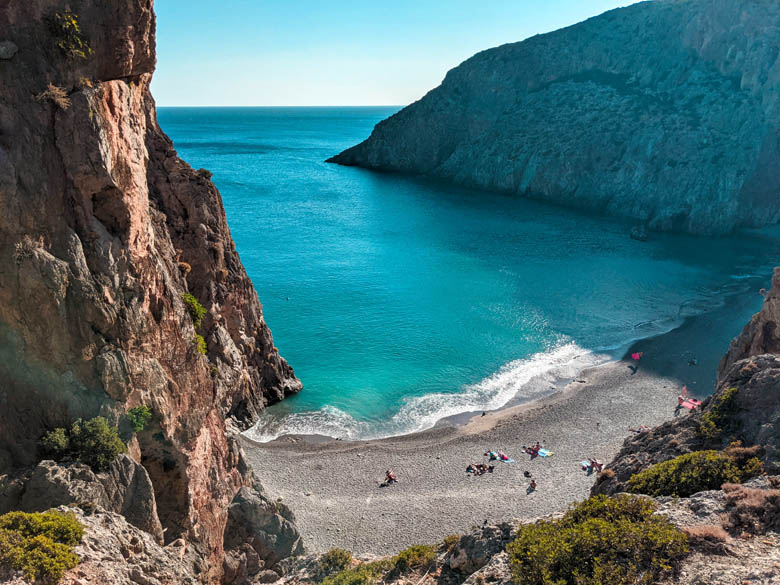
<point>332,485</point>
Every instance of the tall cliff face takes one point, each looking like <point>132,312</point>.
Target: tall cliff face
<point>664,111</point>
<point>103,229</point>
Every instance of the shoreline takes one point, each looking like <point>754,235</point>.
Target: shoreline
<point>332,485</point>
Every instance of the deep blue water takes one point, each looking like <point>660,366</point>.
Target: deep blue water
<point>399,301</point>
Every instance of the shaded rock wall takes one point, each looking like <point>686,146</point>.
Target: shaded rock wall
<point>664,111</point>
<point>102,230</point>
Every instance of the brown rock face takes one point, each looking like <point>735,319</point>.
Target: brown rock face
<point>102,230</point>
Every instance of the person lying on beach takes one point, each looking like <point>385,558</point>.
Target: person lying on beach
<point>639,429</point>
<point>492,455</point>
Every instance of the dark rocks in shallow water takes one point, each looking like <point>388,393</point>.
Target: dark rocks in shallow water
<point>638,233</point>
<point>667,112</point>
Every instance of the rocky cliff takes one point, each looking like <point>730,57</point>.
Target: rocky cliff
<point>103,231</point>
<point>666,112</point>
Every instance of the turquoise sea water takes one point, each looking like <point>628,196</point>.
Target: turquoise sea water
<point>400,301</point>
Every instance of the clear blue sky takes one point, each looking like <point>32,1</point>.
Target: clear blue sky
<point>335,52</point>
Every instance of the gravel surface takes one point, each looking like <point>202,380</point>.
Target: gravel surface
<point>332,486</point>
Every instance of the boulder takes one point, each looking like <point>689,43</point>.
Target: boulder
<point>475,550</point>
<point>7,50</point>
<point>254,520</point>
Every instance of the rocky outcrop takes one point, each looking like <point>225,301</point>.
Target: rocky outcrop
<point>125,489</point>
<point>473,551</point>
<point>258,534</point>
<point>664,111</point>
<point>103,230</point>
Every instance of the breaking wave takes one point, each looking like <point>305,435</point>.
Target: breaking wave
<point>521,381</point>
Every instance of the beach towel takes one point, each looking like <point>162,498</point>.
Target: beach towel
<point>585,465</point>
<point>691,403</point>
<point>545,453</point>
<point>507,460</point>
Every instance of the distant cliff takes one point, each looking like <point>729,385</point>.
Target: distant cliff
<point>667,112</point>
<point>102,232</point>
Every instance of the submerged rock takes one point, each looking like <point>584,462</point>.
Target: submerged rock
<point>667,112</point>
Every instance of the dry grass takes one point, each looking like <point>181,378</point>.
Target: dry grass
<point>709,538</point>
<point>751,510</point>
<point>57,95</point>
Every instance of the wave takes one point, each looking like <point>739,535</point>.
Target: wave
<point>522,380</point>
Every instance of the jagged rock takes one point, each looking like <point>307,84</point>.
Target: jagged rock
<point>664,111</point>
<point>254,520</point>
<point>497,571</point>
<point>475,550</point>
<point>99,216</point>
<point>125,489</point>
<point>8,50</point>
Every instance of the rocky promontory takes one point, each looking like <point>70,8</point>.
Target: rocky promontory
<point>665,112</point>
<point>120,285</point>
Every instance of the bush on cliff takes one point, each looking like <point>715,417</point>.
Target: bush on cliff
<point>333,561</point>
<point>39,544</point>
<point>601,541</point>
<point>415,558</point>
<point>93,442</point>
<point>139,417</point>
<point>196,310</point>
<point>693,472</point>
<point>68,37</point>
<point>719,421</point>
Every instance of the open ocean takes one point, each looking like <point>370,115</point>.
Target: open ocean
<point>401,301</point>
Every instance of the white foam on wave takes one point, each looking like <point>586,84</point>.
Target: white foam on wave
<point>522,380</point>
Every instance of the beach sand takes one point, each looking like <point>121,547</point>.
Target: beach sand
<point>435,496</point>
<point>332,486</point>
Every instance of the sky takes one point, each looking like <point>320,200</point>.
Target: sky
<point>335,52</point>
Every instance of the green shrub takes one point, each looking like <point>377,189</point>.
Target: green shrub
<point>200,344</point>
<point>414,558</point>
<point>68,37</point>
<point>601,541</point>
<point>718,420</point>
<point>139,417</point>
<point>686,475</point>
<point>93,442</point>
<point>54,444</point>
<point>39,544</point>
<point>450,542</point>
<point>197,311</point>
<point>365,574</point>
<point>333,561</point>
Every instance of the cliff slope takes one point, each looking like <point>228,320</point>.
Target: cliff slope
<point>664,111</point>
<point>103,231</point>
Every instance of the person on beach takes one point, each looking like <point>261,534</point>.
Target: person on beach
<point>636,357</point>
<point>531,487</point>
<point>390,477</point>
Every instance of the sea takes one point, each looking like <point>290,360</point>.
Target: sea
<point>402,302</point>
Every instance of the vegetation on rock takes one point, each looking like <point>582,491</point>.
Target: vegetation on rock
<point>717,422</point>
<point>333,561</point>
<point>57,95</point>
<point>200,344</point>
<point>68,37</point>
<point>93,442</point>
<point>693,472</point>
<point>197,311</point>
<point>139,417</point>
<point>414,558</point>
<point>601,541</point>
<point>39,544</point>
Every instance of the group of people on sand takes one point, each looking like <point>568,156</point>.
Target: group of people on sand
<point>479,468</point>
<point>533,450</point>
<point>592,465</point>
